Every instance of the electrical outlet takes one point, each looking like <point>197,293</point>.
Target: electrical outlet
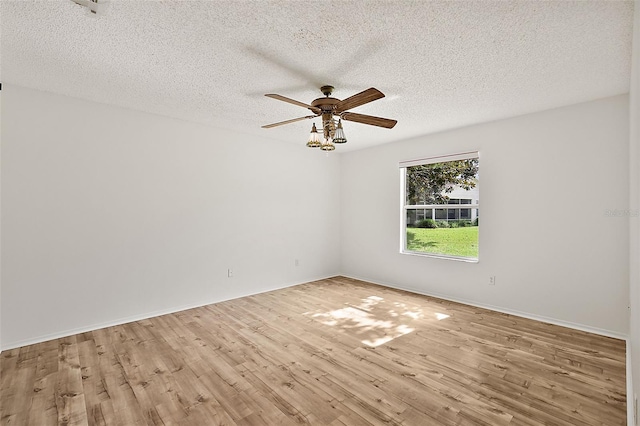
<point>297,262</point>
<point>230,273</point>
<point>492,280</point>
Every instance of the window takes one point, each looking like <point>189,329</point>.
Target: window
<point>440,206</point>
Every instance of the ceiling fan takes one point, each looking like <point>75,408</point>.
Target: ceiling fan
<point>327,108</point>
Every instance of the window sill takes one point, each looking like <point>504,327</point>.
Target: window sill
<point>440,256</point>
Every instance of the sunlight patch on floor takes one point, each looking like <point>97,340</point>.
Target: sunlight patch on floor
<point>371,320</point>
<point>400,330</point>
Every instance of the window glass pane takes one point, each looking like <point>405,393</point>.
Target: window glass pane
<point>415,216</point>
<point>443,231</point>
<point>411,218</point>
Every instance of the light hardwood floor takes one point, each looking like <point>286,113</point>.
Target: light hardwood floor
<point>332,352</point>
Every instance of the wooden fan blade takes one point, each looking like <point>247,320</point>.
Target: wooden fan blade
<point>358,99</point>
<point>293,120</point>
<point>292,101</point>
<point>369,119</point>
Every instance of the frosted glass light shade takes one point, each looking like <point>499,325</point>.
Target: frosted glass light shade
<point>314,138</point>
<point>327,145</point>
<point>339,136</point>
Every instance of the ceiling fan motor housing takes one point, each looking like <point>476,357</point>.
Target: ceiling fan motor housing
<point>325,104</point>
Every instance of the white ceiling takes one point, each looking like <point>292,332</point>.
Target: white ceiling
<point>441,64</point>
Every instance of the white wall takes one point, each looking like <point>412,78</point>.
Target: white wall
<point>0,222</point>
<point>555,253</point>
<point>111,214</point>
<point>634,208</point>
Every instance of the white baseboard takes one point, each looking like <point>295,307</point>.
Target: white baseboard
<point>147,315</point>
<point>575,326</point>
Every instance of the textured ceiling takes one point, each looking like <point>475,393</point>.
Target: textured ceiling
<point>441,64</point>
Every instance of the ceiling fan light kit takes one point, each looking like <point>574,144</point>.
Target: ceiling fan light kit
<point>327,108</point>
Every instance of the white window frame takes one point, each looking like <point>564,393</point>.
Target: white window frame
<point>404,208</point>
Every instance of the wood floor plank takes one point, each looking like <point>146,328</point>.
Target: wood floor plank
<point>14,411</point>
<point>332,352</point>
<point>43,410</point>
<point>69,394</point>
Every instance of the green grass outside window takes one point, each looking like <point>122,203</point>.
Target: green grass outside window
<point>461,242</point>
